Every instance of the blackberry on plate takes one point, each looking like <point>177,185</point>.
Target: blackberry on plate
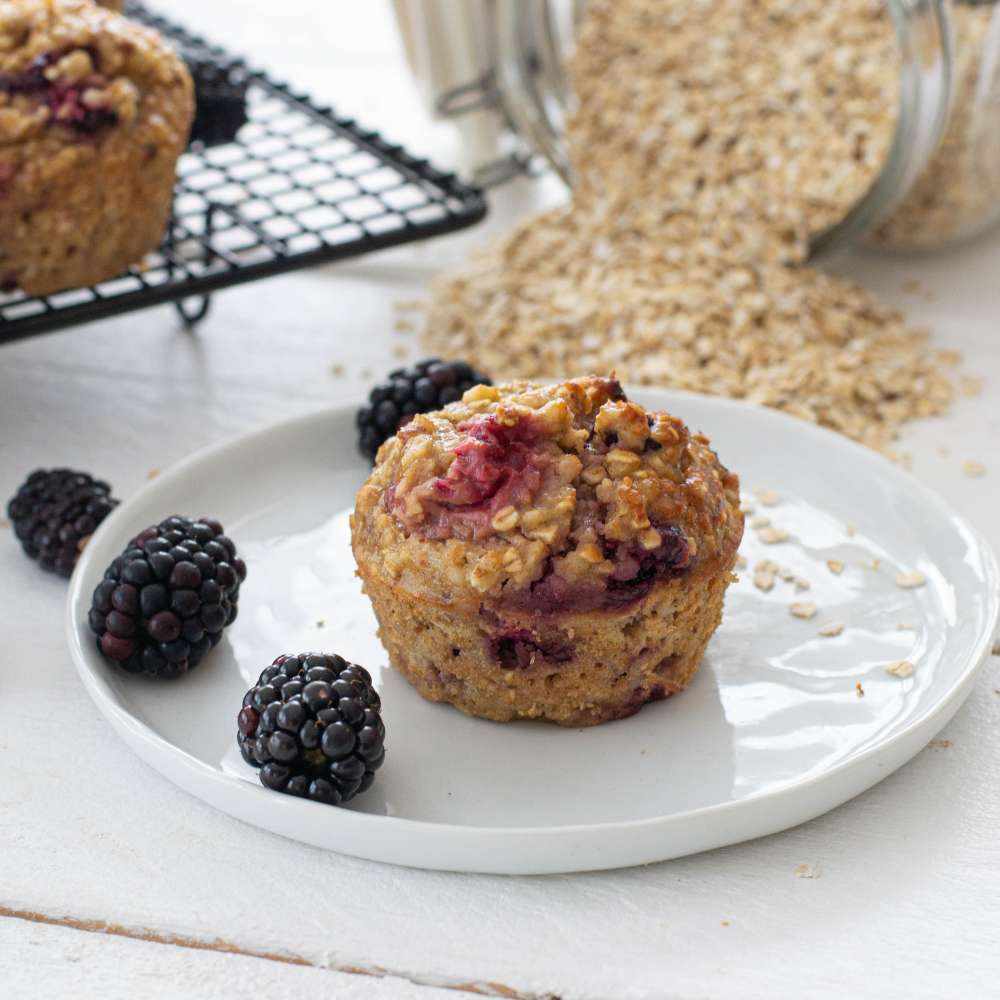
<point>164,602</point>
<point>311,724</point>
<point>55,512</point>
<point>428,385</point>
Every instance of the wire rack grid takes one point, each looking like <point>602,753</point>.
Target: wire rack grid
<point>300,186</point>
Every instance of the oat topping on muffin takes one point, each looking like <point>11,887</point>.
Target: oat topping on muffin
<point>576,496</point>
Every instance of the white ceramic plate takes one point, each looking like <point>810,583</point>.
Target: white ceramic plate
<point>772,732</point>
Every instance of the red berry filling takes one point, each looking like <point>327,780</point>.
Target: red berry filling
<point>64,100</point>
<point>635,571</point>
<point>495,466</point>
<point>516,649</point>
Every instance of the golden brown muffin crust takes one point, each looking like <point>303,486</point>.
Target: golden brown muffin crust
<point>546,498</point>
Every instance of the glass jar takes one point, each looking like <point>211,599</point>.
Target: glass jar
<point>940,182</point>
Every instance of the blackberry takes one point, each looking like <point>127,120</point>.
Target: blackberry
<point>428,385</point>
<point>55,512</point>
<point>311,724</point>
<point>220,90</point>
<point>164,602</point>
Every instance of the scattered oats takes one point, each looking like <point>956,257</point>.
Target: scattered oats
<point>760,521</point>
<point>970,386</point>
<point>767,497</point>
<point>832,630</point>
<point>409,305</point>
<point>901,668</point>
<point>911,285</point>
<point>801,583</point>
<point>874,564</point>
<point>337,369</point>
<point>851,530</point>
<point>908,581</point>
<point>746,508</point>
<point>365,373</point>
<point>725,923</point>
<point>152,474</point>
<point>995,651</point>
<point>771,536</point>
<point>399,351</point>
<point>835,566</point>
<point>944,452</point>
<point>803,609</point>
<point>974,469</point>
<point>786,574</point>
<point>741,562</point>
<point>948,358</point>
<point>321,623</point>
<point>404,325</point>
<point>940,744</point>
<point>764,574</point>
<point>807,871</point>
<point>4,523</point>
<point>906,627</point>
<point>859,690</point>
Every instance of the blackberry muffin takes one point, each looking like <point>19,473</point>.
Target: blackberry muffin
<point>547,552</point>
<point>94,112</point>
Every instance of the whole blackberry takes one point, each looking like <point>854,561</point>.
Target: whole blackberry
<point>164,602</point>
<point>428,385</point>
<point>55,512</point>
<point>220,90</point>
<point>311,724</point>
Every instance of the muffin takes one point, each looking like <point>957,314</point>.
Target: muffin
<point>550,552</point>
<point>94,112</point>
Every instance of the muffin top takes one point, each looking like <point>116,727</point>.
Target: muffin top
<point>546,498</point>
<point>75,77</point>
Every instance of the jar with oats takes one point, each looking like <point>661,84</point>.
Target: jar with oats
<point>820,123</point>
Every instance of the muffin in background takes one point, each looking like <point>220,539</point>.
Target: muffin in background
<point>549,552</point>
<point>94,112</point>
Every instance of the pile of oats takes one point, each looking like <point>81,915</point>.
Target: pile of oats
<point>710,141</point>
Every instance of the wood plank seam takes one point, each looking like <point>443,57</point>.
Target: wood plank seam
<point>229,948</point>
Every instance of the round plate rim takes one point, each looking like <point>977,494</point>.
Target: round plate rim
<point>155,750</point>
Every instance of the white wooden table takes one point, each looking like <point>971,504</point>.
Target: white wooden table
<point>115,884</point>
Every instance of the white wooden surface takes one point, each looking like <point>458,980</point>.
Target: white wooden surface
<point>907,899</point>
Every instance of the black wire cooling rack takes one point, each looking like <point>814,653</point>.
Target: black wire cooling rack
<point>300,186</point>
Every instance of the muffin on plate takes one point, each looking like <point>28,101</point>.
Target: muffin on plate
<point>94,112</point>
<point>547,552</point>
